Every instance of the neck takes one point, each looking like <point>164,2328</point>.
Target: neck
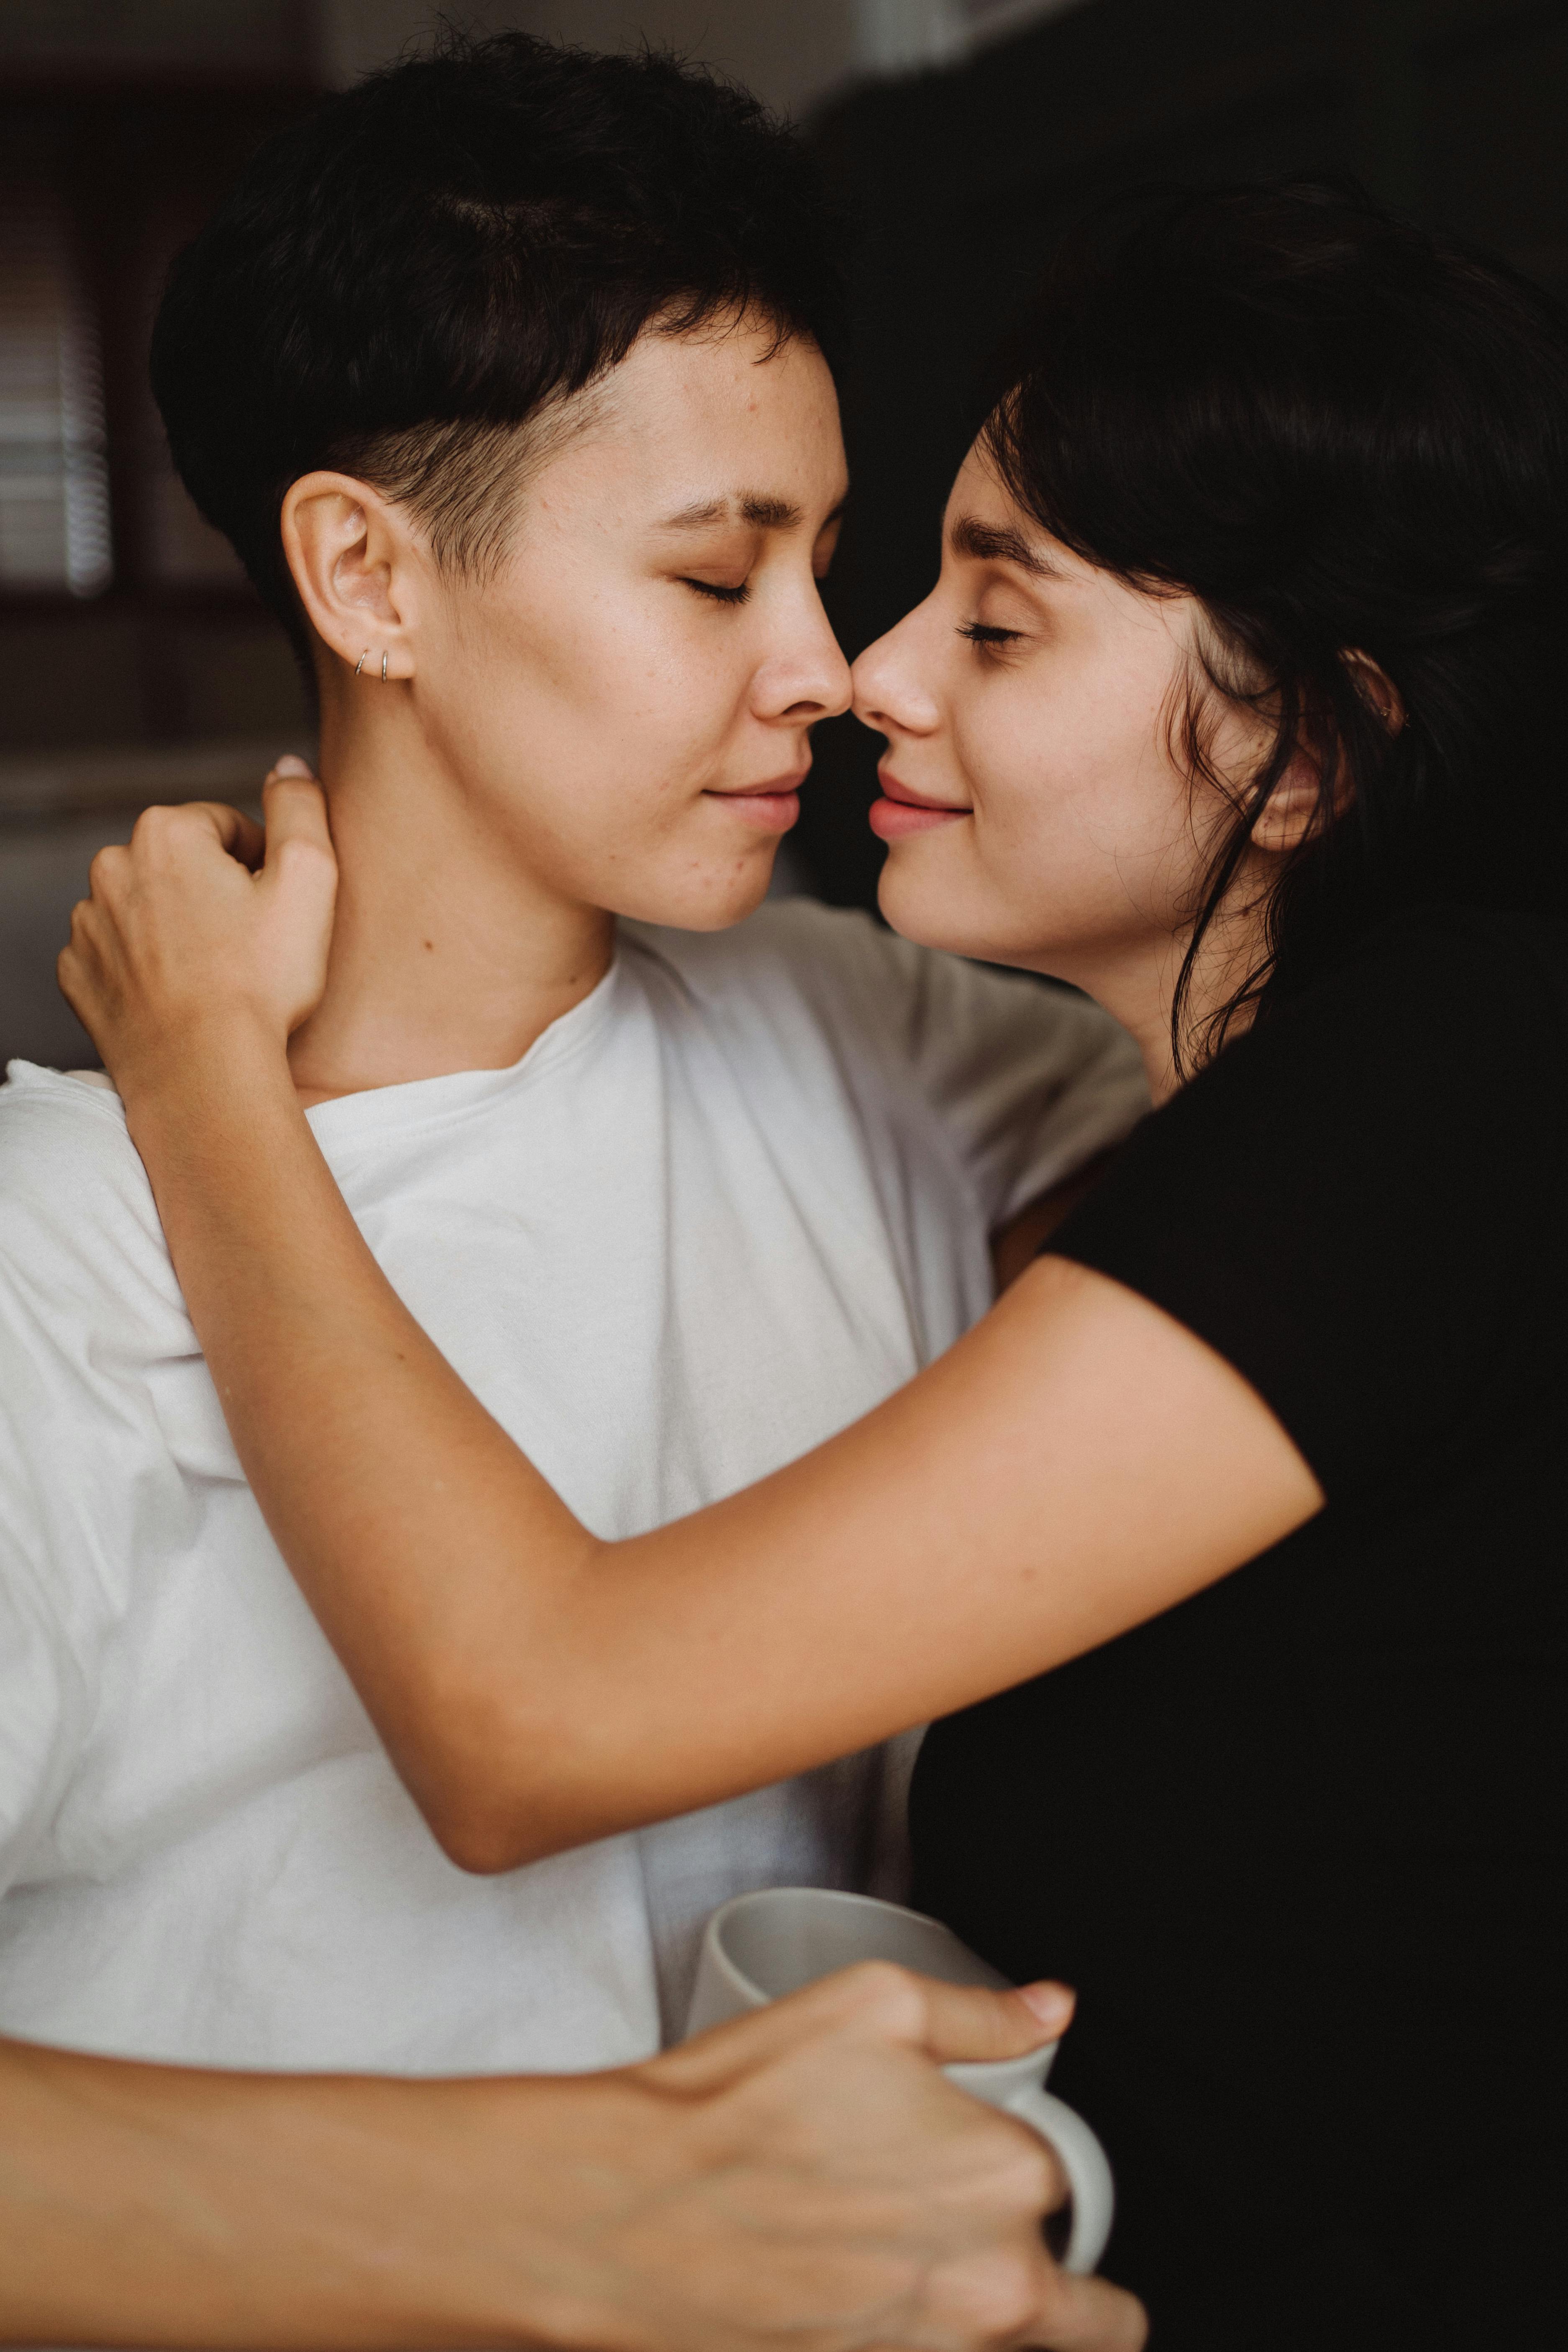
<point>448,953</point>
<point>1137,985</point>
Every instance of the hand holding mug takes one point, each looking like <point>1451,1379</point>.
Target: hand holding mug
<point>848,2196</point>
<point>764,1946</point>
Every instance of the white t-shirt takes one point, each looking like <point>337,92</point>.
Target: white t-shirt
<point>717,1211</point>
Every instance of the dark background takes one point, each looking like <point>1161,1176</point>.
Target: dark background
<point>168,680</point>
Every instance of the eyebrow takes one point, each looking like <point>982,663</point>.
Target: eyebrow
<point>763,512</point>
<point>988,543</point>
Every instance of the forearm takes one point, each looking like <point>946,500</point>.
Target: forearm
<point>1074,1465</point>
<point>803,2179</point>
<point>160,2205</point>
<point>407,1514</point>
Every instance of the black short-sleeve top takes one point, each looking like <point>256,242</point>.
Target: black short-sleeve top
<point>1301,1842</point>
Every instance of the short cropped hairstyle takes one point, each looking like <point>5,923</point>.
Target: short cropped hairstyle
<point>1342,435</point>
<point>424,263</point>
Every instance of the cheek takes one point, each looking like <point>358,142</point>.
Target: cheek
<point>640,680</point>
<point>1080,837</point>
<point>594,705</point>
<point>1078,782</point>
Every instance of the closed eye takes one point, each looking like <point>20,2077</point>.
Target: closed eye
<point>980,633</point>
<point>719,594</point>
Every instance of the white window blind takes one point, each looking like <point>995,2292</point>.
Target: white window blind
<point>54,481</point>
<point>900,36</point>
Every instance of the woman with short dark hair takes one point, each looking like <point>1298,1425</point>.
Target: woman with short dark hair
<point>1228,1545</point>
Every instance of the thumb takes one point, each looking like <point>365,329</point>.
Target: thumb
<point>874,2001</point>
<point>969,2023</point>
<point>295,810</point>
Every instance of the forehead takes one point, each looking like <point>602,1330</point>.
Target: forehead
<point>686,420</point>
<point>978,497</point>
<point>986,533</point>
<point>983,523</point>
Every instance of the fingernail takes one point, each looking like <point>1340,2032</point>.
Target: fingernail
<point>292,764</point>
<point>1052,2004</point>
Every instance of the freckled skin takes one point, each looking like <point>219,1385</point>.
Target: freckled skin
<point>613,719</point>
<point>596,706</point>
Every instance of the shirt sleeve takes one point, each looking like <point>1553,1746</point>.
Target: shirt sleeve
<point>1024,1081</point>
<point>43,1697</point>
<point>61,1331</point>
<point>1359,1204</point>
<point>1028,1079</point>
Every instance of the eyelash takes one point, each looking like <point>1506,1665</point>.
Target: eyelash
<point>980,634</point>
<point>721,595</point>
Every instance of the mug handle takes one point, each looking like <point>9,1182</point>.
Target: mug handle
<point>1087,2167</point>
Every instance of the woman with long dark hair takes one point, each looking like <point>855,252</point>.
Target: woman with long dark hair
<point>1227,1547</point>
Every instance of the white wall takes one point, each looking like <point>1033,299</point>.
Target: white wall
<point>792,52</point>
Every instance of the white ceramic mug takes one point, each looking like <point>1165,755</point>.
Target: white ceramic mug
<point>759,1948</point>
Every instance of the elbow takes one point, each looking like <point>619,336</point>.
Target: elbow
<point>492,1808</point>
<point>481,1843</point>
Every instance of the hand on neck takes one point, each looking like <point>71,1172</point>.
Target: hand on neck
<point>449,952</point>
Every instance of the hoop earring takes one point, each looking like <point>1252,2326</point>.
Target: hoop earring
<point>361,661</point>
<point>384,669</point>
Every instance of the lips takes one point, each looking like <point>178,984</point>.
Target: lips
<point>772,807</point>
<point>901,811</point>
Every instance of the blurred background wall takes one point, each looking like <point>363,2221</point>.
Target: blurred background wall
<point>957,134</point>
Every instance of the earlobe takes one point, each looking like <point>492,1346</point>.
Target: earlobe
<point>347,552</point>
<point>1293,808</point>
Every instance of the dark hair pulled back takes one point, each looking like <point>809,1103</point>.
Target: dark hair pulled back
<point>1341,433</point>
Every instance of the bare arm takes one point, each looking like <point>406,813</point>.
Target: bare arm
<point>1015,1245</point>
<point>1076,1465</point>
<point>805,2177</point>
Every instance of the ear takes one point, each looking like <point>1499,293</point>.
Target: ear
<point>1292,809</point>
<point>354,565</point>
<point>1294,804</point>
<point>1375,687</point>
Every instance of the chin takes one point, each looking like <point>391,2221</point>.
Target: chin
<point>708,896</point>
<point>919,907</point>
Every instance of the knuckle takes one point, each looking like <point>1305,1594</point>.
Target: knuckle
<point>107,869</point>
<point>998,2298</point>
<point>153,825</point>
<point>1022,2179</point>
<point>1034,2174</point>
<point>1019,2284</point>
<point>886,1992</point>
<point>165,827</point>
<point>305,858</point>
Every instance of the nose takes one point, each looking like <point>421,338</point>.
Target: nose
<point>887,681</point>
<point>810,681</point>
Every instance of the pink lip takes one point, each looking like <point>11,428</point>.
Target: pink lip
<point>901,811</point>
<point>771,808</point>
